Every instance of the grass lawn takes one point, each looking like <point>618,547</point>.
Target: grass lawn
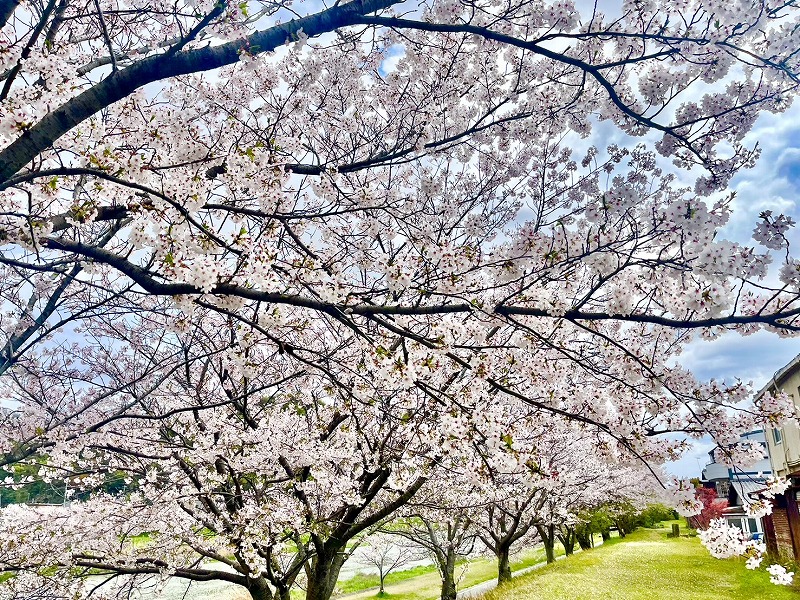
<point>647,565</point>
<point>364,581</point>
<point>423,583</point>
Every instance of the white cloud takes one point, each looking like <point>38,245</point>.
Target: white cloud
<point>753,358</point>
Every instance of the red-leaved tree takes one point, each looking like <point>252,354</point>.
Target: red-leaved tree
<point>713,508</point>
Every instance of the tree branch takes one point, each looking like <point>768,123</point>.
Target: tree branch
<point>120,84</point>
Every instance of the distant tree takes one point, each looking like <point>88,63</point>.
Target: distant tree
<point>589,523</point>
<point>655,514</point>
<point>389,553</point>
<point>447,537</point>
<point>623,515</point>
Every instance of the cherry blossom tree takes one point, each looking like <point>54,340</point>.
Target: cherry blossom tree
<point>236,459</point>
<point>561,472</point>
<point>251,250</point>
<point>442,519</point>
<point>448,539</point>
<point>386,554</point>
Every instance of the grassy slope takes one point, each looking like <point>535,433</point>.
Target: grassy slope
<point>646,566</point>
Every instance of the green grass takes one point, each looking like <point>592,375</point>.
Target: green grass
<point>423,583</point>
<point>646,565</point>
<point>365,581</point>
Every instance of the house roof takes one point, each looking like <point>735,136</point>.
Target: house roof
<point>745,488</point>
<point>779,374</point>
<point>714,471</point>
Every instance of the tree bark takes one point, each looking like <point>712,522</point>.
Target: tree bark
<point>567,540</point>
<point>606,535</point>
<point>550,551</point>
<point>447,570</point>
<point>584,537</point>
<point>259,590</point>
<point>324,573</point>
<point>7,9</point>
<point>548,535</point>
<point>503,565</point>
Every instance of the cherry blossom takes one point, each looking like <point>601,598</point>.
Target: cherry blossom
<point>279,266</point>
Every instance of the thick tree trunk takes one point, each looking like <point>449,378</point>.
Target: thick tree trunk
<point>259,590</point>
<point>321,585</point>
<point>503,565</point>
<point>606,535</point>
<point>550,550</point>
<point>323,574</point>
<point>447,570</point>
<point>548,535</point>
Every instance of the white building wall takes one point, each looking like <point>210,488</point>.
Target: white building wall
<point>784,446</point>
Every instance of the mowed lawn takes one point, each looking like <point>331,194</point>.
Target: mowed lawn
<point>423,583</point>
<point>647,565</point>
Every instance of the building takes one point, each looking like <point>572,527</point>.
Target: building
<point>740,487</point>
<point>782,527</point>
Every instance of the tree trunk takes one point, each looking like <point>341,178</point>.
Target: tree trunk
<point>550,551</point>
<point>583,536</point>
<point>259,590</point>
<point>324,573</point>
<point>503,565</point>
<point>321,585</point>
<point>382,578</point>
<point>606,535</point>
<point>548,535</point>
<point>567,540</point>
<point>448,572</point>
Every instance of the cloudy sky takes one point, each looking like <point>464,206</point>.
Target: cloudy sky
<point>774,184</point>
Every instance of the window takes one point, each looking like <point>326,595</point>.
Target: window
<point>777,436</point>
<point>735,523</point>
<point>752,525</point>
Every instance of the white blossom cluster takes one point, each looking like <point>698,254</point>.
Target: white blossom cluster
<point>725,541</point>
